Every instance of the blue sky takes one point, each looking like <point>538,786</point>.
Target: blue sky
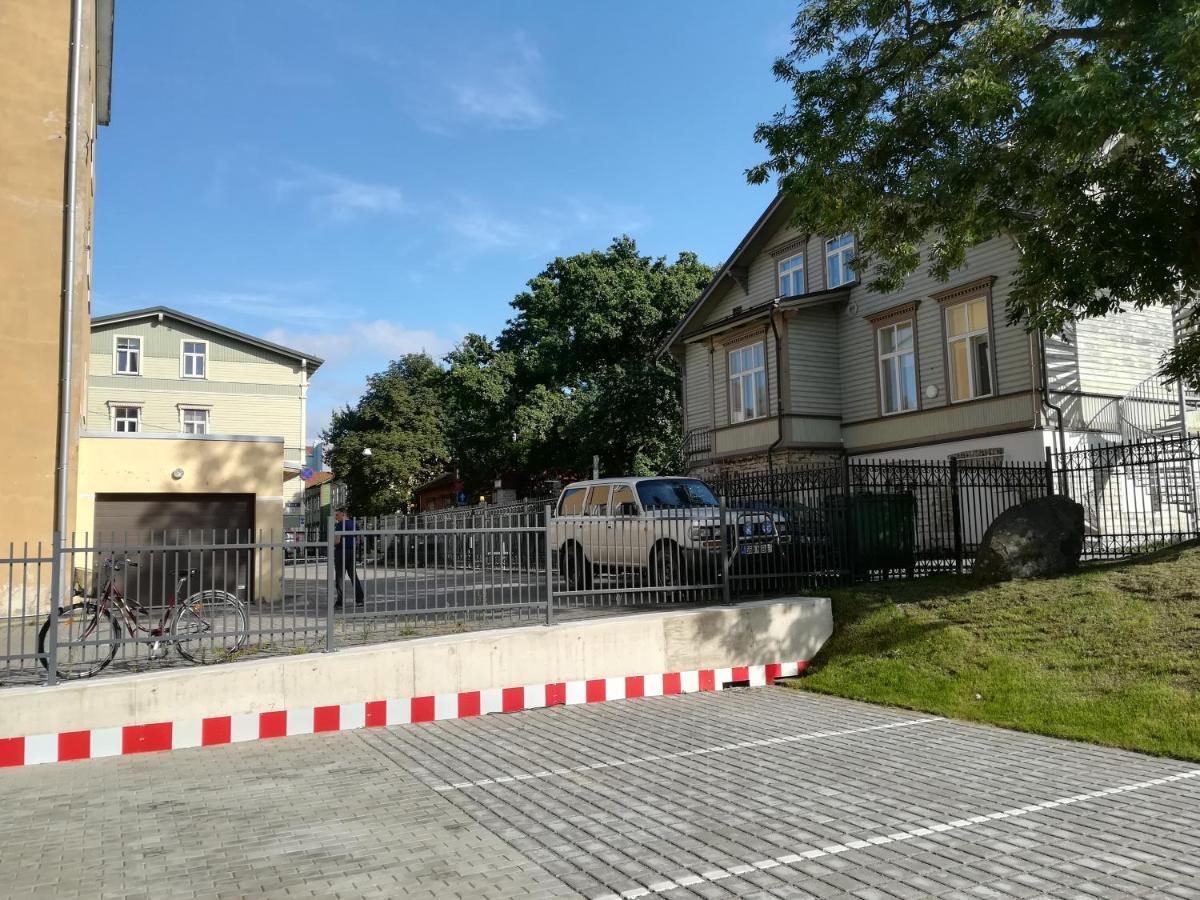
<point>360,180</point>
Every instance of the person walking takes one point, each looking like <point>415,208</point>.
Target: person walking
<point>343,556</point>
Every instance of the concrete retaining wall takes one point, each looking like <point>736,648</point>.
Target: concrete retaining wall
<point>746,634</point>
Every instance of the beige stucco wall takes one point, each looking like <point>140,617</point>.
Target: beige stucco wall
<point>112,464</point>
<point>34,42</point>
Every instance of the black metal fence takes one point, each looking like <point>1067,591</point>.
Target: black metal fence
<point>130,603</point>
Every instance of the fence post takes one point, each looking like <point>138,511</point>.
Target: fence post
<point>330,586</point>
<point>548,536</point>
<point>956,512</point>
<point>56,581</point>
<point>726,553</point>
<point>848,551</point>
<point>1049,472</point>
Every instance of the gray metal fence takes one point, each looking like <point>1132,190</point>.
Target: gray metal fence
<point>129,603</point>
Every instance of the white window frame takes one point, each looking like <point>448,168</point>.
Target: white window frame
<point>893,358</point>
<point>141,357</point>
<point>736,380</point>
<point>845,255</point>
<point>791,273</point>
<point>114,406</point>
<point>184,356</point>
<point>972,393</point>
<point>183,423</point>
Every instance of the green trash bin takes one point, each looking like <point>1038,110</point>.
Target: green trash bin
<point>874,531</point>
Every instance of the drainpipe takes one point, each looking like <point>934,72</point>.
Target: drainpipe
<point>778,393</point>
<point>67,332</point>
<point>1062,440</point>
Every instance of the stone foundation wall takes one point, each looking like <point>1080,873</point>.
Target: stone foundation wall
<point>756,463</point>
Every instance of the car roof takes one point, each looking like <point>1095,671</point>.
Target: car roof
<point>589,482</point>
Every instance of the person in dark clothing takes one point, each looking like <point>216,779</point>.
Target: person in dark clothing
<point>343,556</point>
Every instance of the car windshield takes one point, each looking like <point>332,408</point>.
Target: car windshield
<point>675,493</point>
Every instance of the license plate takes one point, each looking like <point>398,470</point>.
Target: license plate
<point>750,549</point>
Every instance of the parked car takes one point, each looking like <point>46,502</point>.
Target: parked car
<point>666,529</point>
<point>804,539</point>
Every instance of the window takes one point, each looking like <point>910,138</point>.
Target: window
<point>195,359</point>
<point>622,499</point>
<point>597,501</point>
<point>127,356</point>
<point>839,260</point>
<point>747,383</point>
<point>791,276</point>
<point>969,350</point>
<point>675,493</point>
<point>897,368</point>
<point>127,419</point>
<point>195,421</point>
<point>571,503</point>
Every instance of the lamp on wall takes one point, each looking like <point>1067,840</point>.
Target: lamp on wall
<point>177,474</point>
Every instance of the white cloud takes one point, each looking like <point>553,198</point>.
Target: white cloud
<point>548,228</point>
<point>363,339</point>
<point>339,198</point>
<point>466,80</point>
<point>506,93</point>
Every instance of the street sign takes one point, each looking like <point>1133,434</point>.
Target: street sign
<point>306,473</point>
<point>462,498</point>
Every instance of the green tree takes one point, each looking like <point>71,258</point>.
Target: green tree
<point>399,419</point>
<point>582,340</point>
<point>1072,126</point>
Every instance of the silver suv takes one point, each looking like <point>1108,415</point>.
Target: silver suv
<point>668,529</point>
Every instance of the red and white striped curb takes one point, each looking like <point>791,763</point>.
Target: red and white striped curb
<point>126,740</point>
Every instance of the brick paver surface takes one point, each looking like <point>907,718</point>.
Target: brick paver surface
<point>744,793</point>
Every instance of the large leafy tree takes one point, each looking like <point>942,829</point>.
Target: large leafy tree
<point>1072,126</point>
<point>400,421</point>
<point>582,340</point>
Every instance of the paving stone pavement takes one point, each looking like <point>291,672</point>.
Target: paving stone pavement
<point>765,793</point>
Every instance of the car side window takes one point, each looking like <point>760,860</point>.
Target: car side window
<point>572,502</point>
<point>597,502</point>
<point>623,503</point>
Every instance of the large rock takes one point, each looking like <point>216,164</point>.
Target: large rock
<point>1031,540</point>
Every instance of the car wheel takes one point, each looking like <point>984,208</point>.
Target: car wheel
<point>666,571</point>
<point>575,568</point>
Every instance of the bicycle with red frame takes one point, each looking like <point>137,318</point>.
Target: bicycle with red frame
<point>205,626</point>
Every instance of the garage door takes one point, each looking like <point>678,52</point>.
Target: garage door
<point>170,535</point>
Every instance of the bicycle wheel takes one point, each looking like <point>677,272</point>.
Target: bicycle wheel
<point>210,627</point>
<point>88,638</point>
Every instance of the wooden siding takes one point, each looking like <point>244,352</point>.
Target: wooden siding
<point>997,257</point>
<point>1119,351</point>
<point>745,438</point>
<point>161,340</point>
<point>814,354</point>
<point>698,387</point>
<point>763,280</point>
<point>962,419</point>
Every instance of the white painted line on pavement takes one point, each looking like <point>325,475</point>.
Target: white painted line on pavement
<point>936,828</point>
<point>722,748</point>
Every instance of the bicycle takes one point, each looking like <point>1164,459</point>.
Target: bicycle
<point>205,627</point>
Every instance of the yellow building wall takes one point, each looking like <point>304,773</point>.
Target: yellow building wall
<point>34,51</point>
<point>131,465</point>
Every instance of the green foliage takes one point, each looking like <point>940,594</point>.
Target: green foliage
<point>400,420</point>
<point>573,374</point>
<point>1073,127</point>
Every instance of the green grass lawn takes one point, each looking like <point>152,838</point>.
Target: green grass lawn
<point>1110,654</point>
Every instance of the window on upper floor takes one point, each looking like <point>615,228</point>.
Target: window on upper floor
<point>791,275</point>
<point>839,261</point>
<point>194,420</point>
<point>747,383</point>
<point>194,356</point>
<point>969,349</point>
<point>127,356</point>
<point>127,419</point>
<point>897,367</point>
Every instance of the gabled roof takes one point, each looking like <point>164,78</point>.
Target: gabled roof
<point>314,362</point>
<point>780,206</point>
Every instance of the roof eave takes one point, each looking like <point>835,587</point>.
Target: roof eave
<point>311,363</point>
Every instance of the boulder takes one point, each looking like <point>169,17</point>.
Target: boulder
<point>1031,540</point>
